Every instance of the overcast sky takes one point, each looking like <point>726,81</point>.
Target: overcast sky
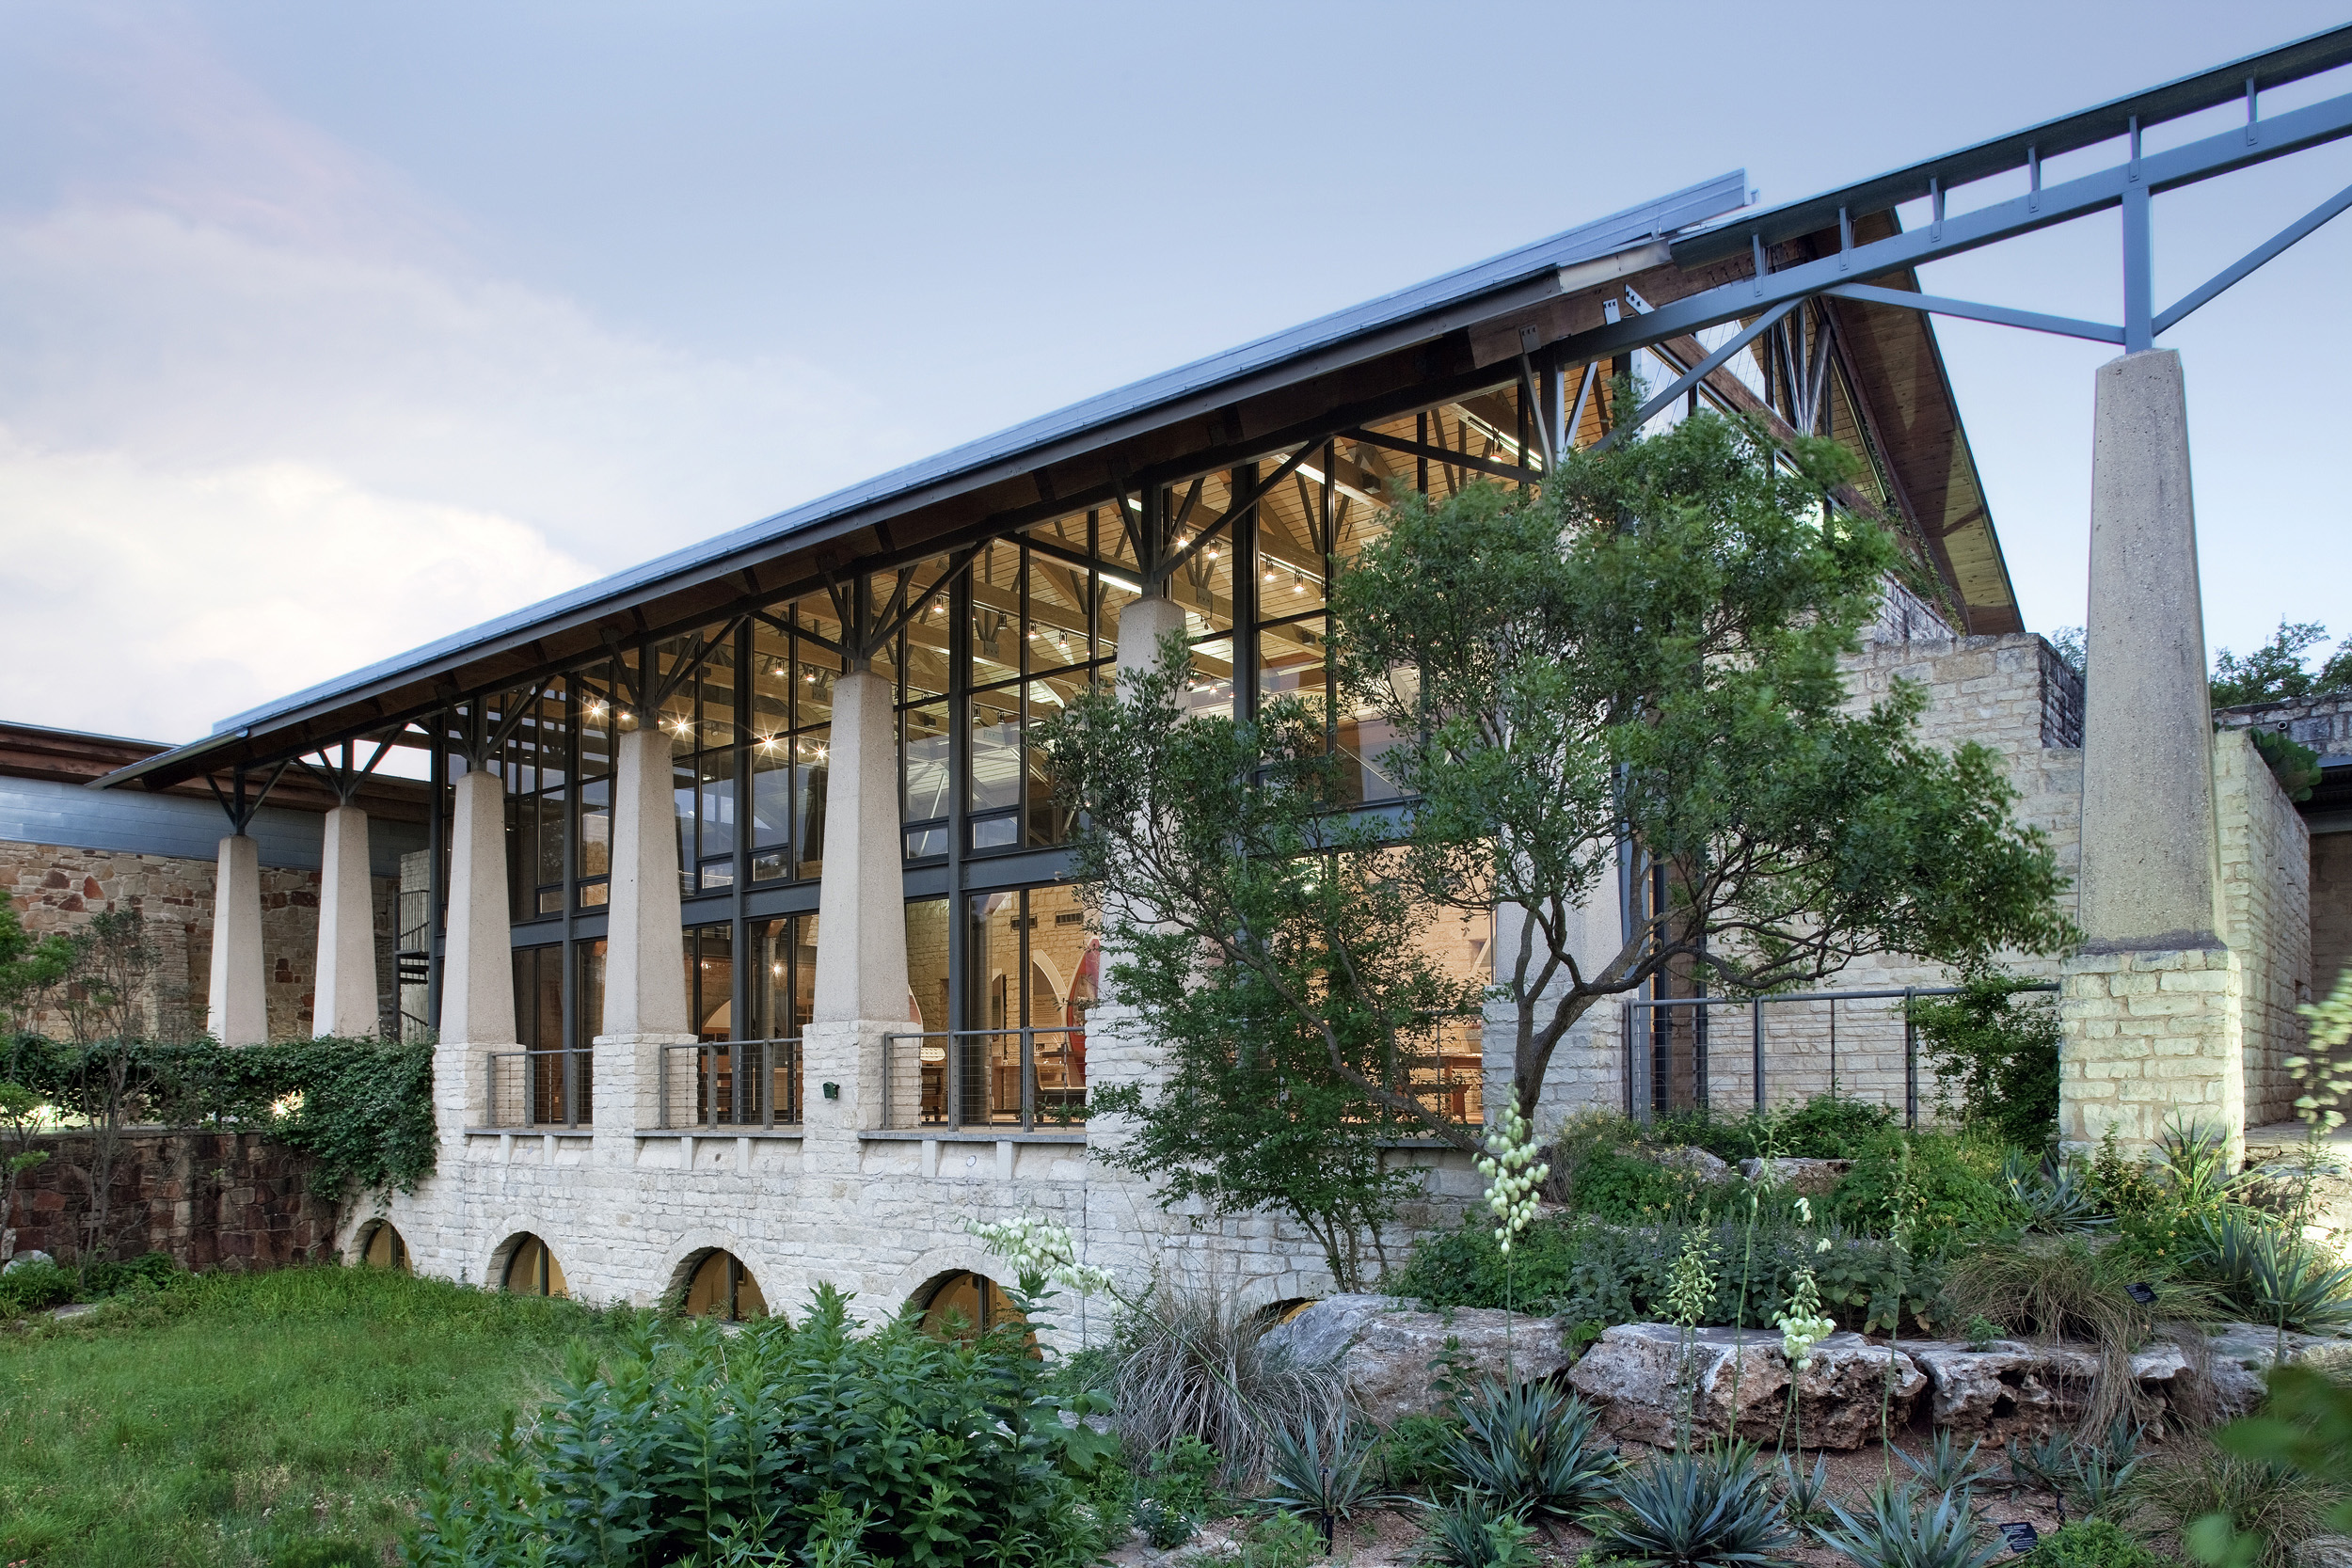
<point>327,329</point>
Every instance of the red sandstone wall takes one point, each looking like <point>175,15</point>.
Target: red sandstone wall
<point>209,1199</point>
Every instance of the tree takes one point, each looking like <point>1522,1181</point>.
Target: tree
<point>1644,656</point>
<point>2280,670</point>
<point>29,968</point>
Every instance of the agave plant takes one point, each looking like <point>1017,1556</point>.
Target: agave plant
<point>1804,1499</point>
<point>1944,1467</point>
<point>2053,1192</point>
<point>2048,1465</point>
<point>1534,1450</point>
<point>2102,1483</point>
<point>1900,1529</point>
<point>1323,1475</point>
<point>1709,1508</point>
<point>1473,1531</point>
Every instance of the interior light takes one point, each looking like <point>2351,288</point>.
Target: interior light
<point>775,969</point>
<point>1297,586</point>
<point>1210,552</point>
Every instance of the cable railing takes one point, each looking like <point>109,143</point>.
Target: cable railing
<point>1026,1078</point>
<point>1712,1053</point>
<point>540,1088</point>
<point>733,1084</point>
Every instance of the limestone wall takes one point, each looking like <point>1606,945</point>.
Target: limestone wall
<point>2332,909</point>
<point>2265,893</point>
<point>55,888</point>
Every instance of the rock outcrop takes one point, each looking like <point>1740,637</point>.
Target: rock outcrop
<point>1642,1375</point>
<point>1392,1354</point>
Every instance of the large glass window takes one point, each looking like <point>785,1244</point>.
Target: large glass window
<point>549,1084</point>
<point>711,980</point>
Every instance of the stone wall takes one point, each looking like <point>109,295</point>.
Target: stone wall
<point>2265,893</point>
<point>56,888</point>
<point>209,1199</point>
<point>2332,909</point>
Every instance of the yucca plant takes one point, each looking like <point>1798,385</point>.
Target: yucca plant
<point>1900,1529</point>
<point>1533,1450</point>
<point>1323,1475</point>
<point>1944,1467</point>
<point>2103,1483</point>
<point>1708,1508</point>
<point>1473,1531</point>
<point>1804,1497</point>
<point>2053,1192</point>
<point>2048,1465</point>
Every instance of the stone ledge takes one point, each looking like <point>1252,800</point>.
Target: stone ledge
<point>582,1131</point>
<point>943,1136</point>
<point>787,1131</point>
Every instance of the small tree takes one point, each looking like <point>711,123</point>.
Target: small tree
<point>1643,658</point>
<point>2280,670</point>
<point>29,968</point>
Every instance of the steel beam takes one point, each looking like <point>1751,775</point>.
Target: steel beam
<point>2239,270</point>
<point>2000,315</point>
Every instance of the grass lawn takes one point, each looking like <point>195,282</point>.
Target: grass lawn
<point>282,1420</point>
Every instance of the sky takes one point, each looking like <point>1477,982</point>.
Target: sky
<point>328,331</point>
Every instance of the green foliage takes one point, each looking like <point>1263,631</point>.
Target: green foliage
<point>28,967</point>
<point>2266,1275</point>
<point>2069,1286</point>
<point>34,1285</point>
<point>1996,1044</point>
<point>2054,1197</point>
<point>1177,1491</point>
<point>1188,1361</point>
<point>1710,1508</point>
<point>2091,1544</point>
<point>1533,1450</point>
<point>1944,1465</point>
<point>1804,1494</point>
<point>2294,765</point>
<point>362,1108</point>
<point>1324,1475</point>
<point>2294,1475</point>
<point>1275,1539</point>
<point>1476,1531</point>
<point>2324,1068</point>
<point>247,1418</point>
<point>953,1453</point>
<point>1951,1184</point>
<point>2280,670</point>
<point>1414,1453</point>
<point>1898,1528</point>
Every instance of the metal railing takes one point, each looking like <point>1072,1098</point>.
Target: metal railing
<point>1681,1052</point>
<point>1024,1077</point>
<point>731,1083</point>
<point>540,1088</point>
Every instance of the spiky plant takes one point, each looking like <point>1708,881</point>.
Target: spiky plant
<point>1805,1495</point>
<point>1533,1450</point>
<point>1473,1531</point>
<point>1899,1527</point>
<point>1709,1508</point>
<point>1943,1466</point>
<point>1323,1475</point>
<point>1188,1360</point>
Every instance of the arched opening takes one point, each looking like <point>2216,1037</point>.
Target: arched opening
<point>964,1306</point>
<point>1276,1312</point>
<point>532,1270</point>
<point>385,1249</point>
<point>721,1287</point>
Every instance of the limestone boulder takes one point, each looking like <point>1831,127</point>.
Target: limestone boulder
<point>2324,1551</point>
<point>1706,1166</point>
<point>1799,1177</point>
<point>1392,1352</point>
<point>2015,1388</point>
<point>26,1259</point>
<point>1642,1375</point>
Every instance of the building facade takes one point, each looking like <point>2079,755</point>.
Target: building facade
<point>740,911</point>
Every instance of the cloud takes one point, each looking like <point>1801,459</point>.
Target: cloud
<point>265,417</point>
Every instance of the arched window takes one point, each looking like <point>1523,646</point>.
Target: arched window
<point>721,1287</point>
<point>385,1248</point>
<point>965,1304</point>
<point>532,1270</point>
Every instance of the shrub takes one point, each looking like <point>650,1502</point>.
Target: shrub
<point>1823,1127</point>
<point>1954,1183</point>
<point>2268,1275</point>
<point>1996,1044</point>
<point>1274,1540</point>
<point>691,1435</point>
<point>146,1272</point>
<point>1414,1454</point>
<point>1533,1450</point>
<point>1324,1475</point>
<point>1177,1491</point>
<point>1709,1508</point>
<point>1188,1361</point>
<point>35,1287</point>
<point>1474,1531</point>
<point>2091,1544</point>
<point>2260,1498</point>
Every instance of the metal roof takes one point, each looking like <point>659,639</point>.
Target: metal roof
<point>1651,220</point>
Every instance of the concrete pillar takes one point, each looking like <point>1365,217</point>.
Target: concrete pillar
<point>2152,1002</point>
<point>236,1008</point>
<point>861,991</point>
<point>344,1000</point>
<point>644,959</point>
<point>478,964</point>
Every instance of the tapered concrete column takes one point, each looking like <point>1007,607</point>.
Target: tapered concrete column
<point>1117,1049</point>
<point>478,964</point>
<point>645,960</point>
<point>2152,1003</point>
<point>343,1001</point>
<point>236,1008</point>
<point>861,992</point>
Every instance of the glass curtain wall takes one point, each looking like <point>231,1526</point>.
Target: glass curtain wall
<point>977,668</point>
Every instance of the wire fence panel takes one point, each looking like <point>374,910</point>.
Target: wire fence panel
<point>539,1088</point>
<point>1733,1055</point>
<point>1024,1078</point>
<point>731,1083</point>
